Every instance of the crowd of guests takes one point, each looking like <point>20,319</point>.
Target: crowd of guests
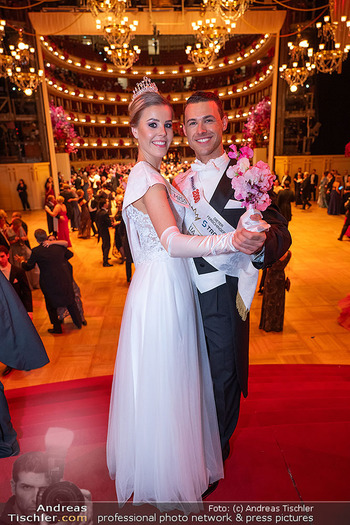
<point>331,191</point>
<point>90,202</point>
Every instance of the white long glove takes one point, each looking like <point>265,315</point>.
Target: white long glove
<point>179,245</point>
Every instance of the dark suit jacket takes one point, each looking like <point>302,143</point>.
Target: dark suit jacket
<point>284,198</point>
<point>4,241</point>
<point>306,187</point>
<point>315,182</point>
<point>103,222</point>
<point>19,281</point>
<point>56,280</point>
<point>277,242</point>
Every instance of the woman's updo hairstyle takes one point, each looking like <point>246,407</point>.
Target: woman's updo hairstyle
<point>60,199</point>
<point>143,98</point>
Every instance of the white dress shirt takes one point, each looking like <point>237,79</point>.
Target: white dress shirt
<point>209,176</point>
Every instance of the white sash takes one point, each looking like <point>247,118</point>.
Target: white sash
<point>207,221</point>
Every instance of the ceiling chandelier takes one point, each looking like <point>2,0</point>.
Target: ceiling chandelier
<point>123,57</point>
<point>330,54</point>
<point>228,9</point>
<point>98,7</point>
<point>118,33</point>
<point>209,32</point>
<point>202,57</point>
<point>5,60</point>
<point>300,66</point>
<point>18,66</point>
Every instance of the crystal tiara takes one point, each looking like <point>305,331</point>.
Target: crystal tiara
<point>146,85</point>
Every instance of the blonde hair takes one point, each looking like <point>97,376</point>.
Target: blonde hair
<point>146,100</point>
<point>3,214</point>
<point>60,199</point>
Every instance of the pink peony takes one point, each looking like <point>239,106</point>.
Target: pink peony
<point>250,183</point>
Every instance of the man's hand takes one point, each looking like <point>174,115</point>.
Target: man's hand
<point>248,242</point>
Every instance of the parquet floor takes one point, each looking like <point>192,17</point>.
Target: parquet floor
<point>320,276</point>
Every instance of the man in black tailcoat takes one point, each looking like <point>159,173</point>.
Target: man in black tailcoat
<point>313,184</point>
<point>104,222</point>
<point>284,199</point>
<point>227,332</point>
<point>56,280</point>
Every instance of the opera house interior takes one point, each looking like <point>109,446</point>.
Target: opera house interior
<point>281,69</point>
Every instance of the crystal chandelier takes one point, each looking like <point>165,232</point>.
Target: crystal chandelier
<point>27,81</point>
<point>18,66</point>
<point>202,57</point>
<point>301,65</point>
<point>117,7</point>
<point>329,55</point>
<point>5,60</point>
<point>230,10</point>
<point>118,33</point>
<point>209,32</point>
<point>2,30</point>
<point>123,57</point>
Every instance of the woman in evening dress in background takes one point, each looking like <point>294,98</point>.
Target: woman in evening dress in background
<point>163,443</point>
<point>60,211</point>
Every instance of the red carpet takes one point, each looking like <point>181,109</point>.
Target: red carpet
<point>292,441</point>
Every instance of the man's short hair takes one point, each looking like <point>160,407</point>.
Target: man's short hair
<point>4,249</point>
<point>30,462</point>
<point>287,184</point>
<point>40,235</point>
<point>101,203</point>
<point>205,96</point>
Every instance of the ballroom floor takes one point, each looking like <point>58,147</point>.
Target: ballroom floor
<point>319,274</point>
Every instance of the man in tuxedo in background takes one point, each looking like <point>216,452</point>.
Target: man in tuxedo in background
<point>285,178</point>
<point>313,184</point>
<point>298,175</point>
<point>305,190</point>
<point>227,333</point>
<point>104,222</point>
<point>17,277</point>
<point>284,200</point>
<point>56,280</point>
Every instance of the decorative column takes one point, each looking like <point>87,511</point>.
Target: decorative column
<point>52,155</point>
<point>271,152</point>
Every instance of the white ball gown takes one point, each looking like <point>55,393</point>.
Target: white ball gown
<point>163,443</point>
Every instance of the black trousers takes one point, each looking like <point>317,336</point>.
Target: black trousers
<point>93,222</point>
<point>72,309</point>
<point>106,246</point>
<point>313,191</point>
<point>7,433</point>
<point>24,200</point>
<point>220,325</point>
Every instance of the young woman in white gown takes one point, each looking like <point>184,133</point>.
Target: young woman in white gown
<point>163,442</point>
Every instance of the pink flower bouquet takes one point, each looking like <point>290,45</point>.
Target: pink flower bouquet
<point>251,185</point>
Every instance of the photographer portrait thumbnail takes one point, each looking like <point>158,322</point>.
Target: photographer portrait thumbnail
<point>30,479</point>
